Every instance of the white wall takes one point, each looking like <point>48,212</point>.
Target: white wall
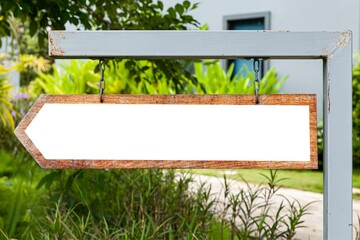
<point>293,15</point>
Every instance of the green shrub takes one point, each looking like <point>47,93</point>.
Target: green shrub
<point>320,143</point>
<point>76,77</point>
<point>251,212</point>
<point>72,77</point>
<point>356,114</point>
<point>156,204</point>
<point>19,198</point>
<point>126,204</point>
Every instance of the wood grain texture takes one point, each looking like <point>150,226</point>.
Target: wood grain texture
<point>275,99</point>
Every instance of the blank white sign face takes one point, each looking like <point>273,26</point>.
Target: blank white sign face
<point>172,132</point>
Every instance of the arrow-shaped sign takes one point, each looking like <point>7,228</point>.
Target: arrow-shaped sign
<point>171,131</point>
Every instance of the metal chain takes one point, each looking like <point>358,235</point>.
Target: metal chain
<point>256,81</point>
<point>102,80</point>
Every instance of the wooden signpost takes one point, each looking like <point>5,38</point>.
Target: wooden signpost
<point>53,127</point>
<point>172,131</point>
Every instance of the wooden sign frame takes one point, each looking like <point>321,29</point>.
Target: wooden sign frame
<point>276,99</point>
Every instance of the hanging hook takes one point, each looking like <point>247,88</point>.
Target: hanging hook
<point>256,66</point>
<point>102,80</point>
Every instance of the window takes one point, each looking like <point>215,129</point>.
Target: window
<point>255,21</point>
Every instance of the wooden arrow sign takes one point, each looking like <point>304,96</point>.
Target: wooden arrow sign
<point>171,131</point>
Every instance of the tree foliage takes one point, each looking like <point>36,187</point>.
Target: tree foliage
<point>39,16</point>
<point>24,21</point>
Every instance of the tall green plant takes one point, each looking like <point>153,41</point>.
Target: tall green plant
<point>6,108</point>
<point>252,212</point>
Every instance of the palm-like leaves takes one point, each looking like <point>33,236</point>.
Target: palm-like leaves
<point>5,105</point>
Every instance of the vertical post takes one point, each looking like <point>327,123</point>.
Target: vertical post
<point>337,84</point>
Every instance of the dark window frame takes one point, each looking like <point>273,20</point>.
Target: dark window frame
<point>248,16</point>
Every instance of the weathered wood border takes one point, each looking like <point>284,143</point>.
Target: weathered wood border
<point>276,99</point>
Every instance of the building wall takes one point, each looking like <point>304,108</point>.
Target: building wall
<point>292,15</point>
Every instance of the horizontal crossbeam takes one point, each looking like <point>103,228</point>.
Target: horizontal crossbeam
<point>194,44</point>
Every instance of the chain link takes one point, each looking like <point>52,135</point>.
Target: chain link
<point>256,80</point>
<point>102,80</point>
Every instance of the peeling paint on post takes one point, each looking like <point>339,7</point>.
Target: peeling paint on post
<point>345,39</point>
<point>54,39</point>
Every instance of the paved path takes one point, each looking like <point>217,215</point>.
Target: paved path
<point>313,221</point>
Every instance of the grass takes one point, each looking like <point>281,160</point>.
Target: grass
<point>356,178</point>
<point>305,180</point>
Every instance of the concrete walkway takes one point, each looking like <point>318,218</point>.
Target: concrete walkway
<point>312,221</point>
